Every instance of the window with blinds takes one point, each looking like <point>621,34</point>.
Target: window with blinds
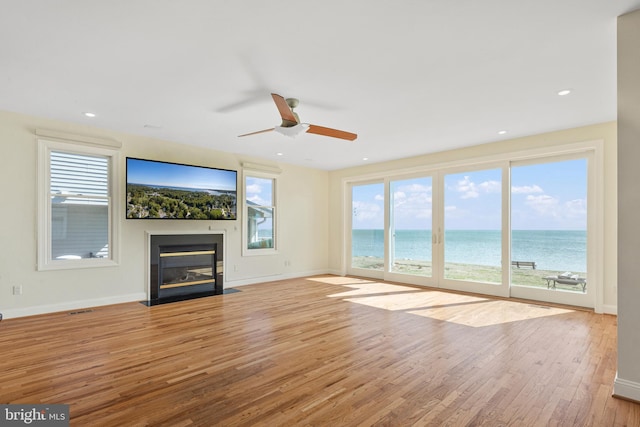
<point>79,192</point>
<point>76,224</point>
<point>79,176</point>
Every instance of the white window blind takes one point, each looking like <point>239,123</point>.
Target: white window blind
<point>79,194</point>
<point>79,175</point>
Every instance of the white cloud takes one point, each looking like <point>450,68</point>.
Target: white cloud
<point>490,187</point>
<point>550,212</point>
<point>549,206</point>
<point>399,196</point>
<point>544,204</point>
<point>414,188</point>
<point>399,199</point>
<point>471,190</point>
<point>417,198</point>
<point>576,208</point>
<point>363,211</point>
<point>468,188</point>
<point>526,189</point>
<point>258,200</point>
<point>253,194</point>
<point>254,189</point>
<point>412,205</point>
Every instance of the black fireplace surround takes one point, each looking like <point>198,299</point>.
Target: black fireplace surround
<point>185,266</point>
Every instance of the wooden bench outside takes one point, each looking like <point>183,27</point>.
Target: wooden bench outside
<point>519,264</point>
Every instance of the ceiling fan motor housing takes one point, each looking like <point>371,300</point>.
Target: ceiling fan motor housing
<point>292,103</point>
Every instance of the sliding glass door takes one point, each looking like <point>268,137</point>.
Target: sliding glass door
<point>472,237</point>
<point>410,226</point>
<point>473,224</point>
<point>398,234</point>
<point>549,230</point>
<point>367,228</point>
<point>506,228</point>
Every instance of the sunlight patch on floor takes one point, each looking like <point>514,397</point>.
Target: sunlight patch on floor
<point>371,289</point>
<point>491,312</point>
<point>466,310</point>
<point>339,280</point>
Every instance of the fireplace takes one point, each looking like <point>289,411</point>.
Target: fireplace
<point>184,266</point>
<point>186,269</point>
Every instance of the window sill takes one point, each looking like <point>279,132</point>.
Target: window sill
<point>73,264</point>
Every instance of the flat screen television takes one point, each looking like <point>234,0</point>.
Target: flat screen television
<point>163,190</point>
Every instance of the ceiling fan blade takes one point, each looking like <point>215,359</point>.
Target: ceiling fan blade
<point>257,132</point>
<point>335,133</point>
<point>285,112</point>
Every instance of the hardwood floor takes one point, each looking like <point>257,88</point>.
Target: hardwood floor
<point>321,351</point>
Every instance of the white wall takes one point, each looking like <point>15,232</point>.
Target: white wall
<point>605,132</point>
<point>302,198</point>
<point>627,383</point>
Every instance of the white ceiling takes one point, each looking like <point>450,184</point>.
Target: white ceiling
<point>409,77</point>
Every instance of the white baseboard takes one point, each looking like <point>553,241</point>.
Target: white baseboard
<point>626,389</point>
<point>610,309</point>
<point>72,305</point>
<point>141,296</point>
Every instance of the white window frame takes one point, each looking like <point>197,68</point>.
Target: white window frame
<point>82,146</point>
<point>245,210</point>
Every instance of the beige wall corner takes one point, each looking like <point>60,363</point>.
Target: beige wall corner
<point>627,383</point>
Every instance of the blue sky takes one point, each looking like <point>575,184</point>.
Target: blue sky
<point>173,175</point>
<point>259,191</point>
<point>547,196</point>
<point>550,196</point>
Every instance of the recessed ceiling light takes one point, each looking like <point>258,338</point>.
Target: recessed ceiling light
<point>89,114</point>
<point>365,158</point>
<point>564,92</point>
<point>502,132</point>
<point>279,154</point>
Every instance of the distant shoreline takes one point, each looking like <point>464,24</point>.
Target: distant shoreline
<point>564,250</point>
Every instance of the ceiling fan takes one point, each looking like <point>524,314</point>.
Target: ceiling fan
<point>291,125</point>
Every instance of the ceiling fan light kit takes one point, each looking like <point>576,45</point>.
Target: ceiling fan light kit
<point>292,131</point>
<point>292,127</point>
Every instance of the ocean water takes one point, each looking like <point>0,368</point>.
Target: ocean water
<point>561,250</point>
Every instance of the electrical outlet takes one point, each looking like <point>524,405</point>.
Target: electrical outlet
<point>17,289</point>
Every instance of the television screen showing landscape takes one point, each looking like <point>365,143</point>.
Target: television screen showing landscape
<point>162,190</point>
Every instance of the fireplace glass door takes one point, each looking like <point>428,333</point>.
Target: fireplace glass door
<point>186,269</point>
